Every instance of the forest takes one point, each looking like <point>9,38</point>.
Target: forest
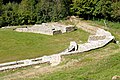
<point>24,12</point>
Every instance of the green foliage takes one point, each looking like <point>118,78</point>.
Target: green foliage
<point>39,11</point>
<point>9,15</point>
<point>26,12</point>
<point>32,11</point>
<point>103,9</point>
<point>1,21</point>
<point>43,9</point>
<point>92,8</point>
<point>116,11</point>
<point>1,7</point>
<point>83,7</point>
<point>50,10</point>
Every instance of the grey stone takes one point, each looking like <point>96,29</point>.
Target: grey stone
<point>48,28</point>
<point>73,46</point>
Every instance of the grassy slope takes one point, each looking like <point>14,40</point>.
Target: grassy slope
<point>17,46</point>
<point>100,64</point>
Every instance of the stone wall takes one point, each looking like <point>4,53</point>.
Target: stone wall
<point>52,59</point>
<point>100,39</point>
<point>48,28</point>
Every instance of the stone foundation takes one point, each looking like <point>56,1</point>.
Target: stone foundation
<point>48,28</point>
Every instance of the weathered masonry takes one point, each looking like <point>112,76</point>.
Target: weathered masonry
<point>48,28</point>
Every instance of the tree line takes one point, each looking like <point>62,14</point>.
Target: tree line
<point>20,12</point>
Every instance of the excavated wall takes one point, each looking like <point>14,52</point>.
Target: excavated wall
<point>48,28</point>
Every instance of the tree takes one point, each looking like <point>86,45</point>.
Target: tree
<point>1,20</point>
<point>9,13</point>
<point>50,10</point>
<point>1,1</point>
<point>42,9</point>
<point>67,4</point>
<point>83,8</point>
<point>59,10</point>
<point>115,13</point>
<point>16,12</point>
<point>92,8</point>
<point>26,11</point>
<point>103,9</point>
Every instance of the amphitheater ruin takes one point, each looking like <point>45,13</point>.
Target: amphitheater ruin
<point>98,38</point>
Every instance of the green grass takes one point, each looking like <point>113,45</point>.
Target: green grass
<point>113,25</point>
<point>17,46</point>
<point>102,70</point>
<point>100,64</point>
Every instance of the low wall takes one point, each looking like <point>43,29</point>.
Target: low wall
<point>52,59</point>
<point>100,39</point>
<point>48,28</point>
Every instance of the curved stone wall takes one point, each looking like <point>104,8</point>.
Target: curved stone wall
<point>99,38</point>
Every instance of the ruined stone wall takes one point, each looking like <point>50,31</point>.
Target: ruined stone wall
<point>48,28</point>
<point>99,38</point>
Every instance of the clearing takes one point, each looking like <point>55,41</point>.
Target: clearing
<point>17,46</point>
<point>99,64</point>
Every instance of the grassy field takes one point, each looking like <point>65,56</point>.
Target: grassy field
<point>17,46</point>
<point>88,68</point>
<point>99,64</point>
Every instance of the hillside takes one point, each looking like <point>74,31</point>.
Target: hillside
<point>99,64</point>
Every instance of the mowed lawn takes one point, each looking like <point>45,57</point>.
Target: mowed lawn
<point>17,45</point>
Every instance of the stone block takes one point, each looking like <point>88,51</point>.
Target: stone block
<point>57,32</point>
<point>55,59</point>
<point>70,28</point>
<point>96,37</point>
<point>73,46</point>
<point>48,28</point>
